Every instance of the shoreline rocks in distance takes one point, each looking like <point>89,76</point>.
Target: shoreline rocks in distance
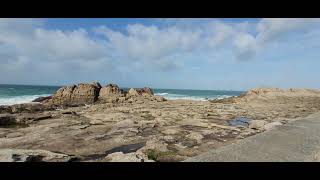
<point>90,93</point>
<point>42,99</point>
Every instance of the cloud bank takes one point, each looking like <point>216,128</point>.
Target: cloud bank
<point>31,52</point>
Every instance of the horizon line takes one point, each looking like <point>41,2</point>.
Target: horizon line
<point>131,87</point>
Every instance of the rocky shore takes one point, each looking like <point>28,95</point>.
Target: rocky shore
<point>91,122</point>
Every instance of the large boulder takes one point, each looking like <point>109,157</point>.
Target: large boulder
<point>257,124</point>
<point>132,92</point>
<point>110,93</point>
<point>140,92</point>
<point>77,94</point>
<point>145,91</point>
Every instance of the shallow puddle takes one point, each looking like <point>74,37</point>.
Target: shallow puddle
<point>129,148</point>
<point>240,121</point>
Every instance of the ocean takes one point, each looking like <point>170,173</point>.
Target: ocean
<point>16,94</point>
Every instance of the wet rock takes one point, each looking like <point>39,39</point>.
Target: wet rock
<point>241,121</point>
<point>41,99</point>
<point>272,125</point>
<point>159,98</point>
<point>7,119</point>
<point>257,124</point>
<point>31,108</point>
<point>22,155</point>
<point>5,109</point>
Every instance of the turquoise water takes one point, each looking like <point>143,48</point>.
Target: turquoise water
<point>15,94</point>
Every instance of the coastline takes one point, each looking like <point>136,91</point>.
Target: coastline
<point>145,127</point>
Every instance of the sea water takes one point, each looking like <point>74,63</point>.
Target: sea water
<point>16,94</point>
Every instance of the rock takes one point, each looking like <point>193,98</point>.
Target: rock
<point>146,91</point>
<point>270,126</point>
<point>195,136</point>
<point>110,93</point>
<point>27,118</point>
<point>159,98</point>
<point>110,89</point>
<point>5,109</point>
<point>128,123</point>
<point>22,155</point>
<point>96,122</point>
<point>168,139</point>
<point>257,124</point>
<point>41,99</point>
<point>132,92</point>
<point>129,157</point>
<point>10,119</point>
<point>77,94</point>
<point>31,108</point>
<point>97,84</point>
<point>154,144</point>
<point>170,131</point>
<point>7,119</point>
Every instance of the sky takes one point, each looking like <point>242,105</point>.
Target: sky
<point>194,53</point>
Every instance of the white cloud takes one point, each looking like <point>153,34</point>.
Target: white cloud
<point>27,44</point>
<point>271,29</point>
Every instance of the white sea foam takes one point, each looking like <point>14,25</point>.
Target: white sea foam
<point>186,97</point>
<point>161,94</point>
<point>19,99</point>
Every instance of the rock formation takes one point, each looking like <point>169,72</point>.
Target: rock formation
<point>77,94</point>
<point>111,93</point>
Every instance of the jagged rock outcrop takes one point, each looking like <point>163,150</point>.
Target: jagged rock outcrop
<point>140,92</point>
<point>77,94</point>
<point>132,92</point>
<point>145,91</point>
<point>111,93</point>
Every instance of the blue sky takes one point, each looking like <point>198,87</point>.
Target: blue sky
<point>230,54</point>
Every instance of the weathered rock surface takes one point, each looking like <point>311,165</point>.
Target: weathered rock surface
<point>129,157</point>
<point>31,108</point>
<point>7,119</point>
<point>272,125</point>
<point>77,94</point>
<point>111,93</point>
<point>173,130</point>
<point>132,92</point>
<point>257,124</point>
<point>23,155</point>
